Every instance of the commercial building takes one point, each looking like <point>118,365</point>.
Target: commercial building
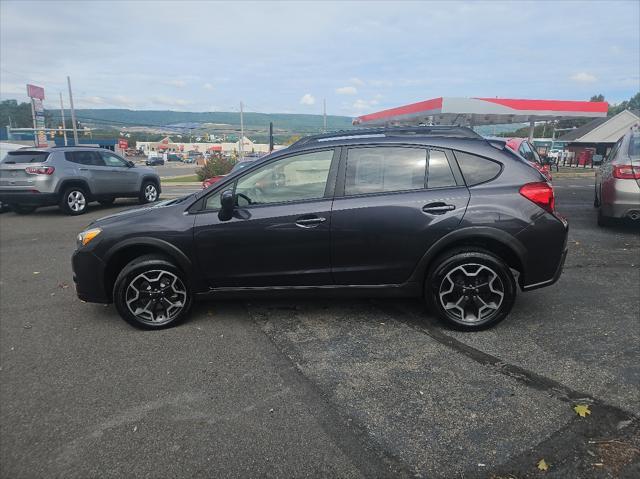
<point>598,136</point>
<point>170,146</point>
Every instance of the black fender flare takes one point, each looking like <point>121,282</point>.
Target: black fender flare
<point>471,233</point>
<point>65,183</point>
<point>169,249</point>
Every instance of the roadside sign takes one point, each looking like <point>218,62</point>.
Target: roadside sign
<point>36,94</point>
<point>123,144</point>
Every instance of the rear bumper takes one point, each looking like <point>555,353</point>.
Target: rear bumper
<point>546,245</point>
<point>88,276</point>
<point>28,197</point>
<point>620,197</point>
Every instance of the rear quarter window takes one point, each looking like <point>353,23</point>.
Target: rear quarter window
<point>476,169</point>
<point>25,157</point>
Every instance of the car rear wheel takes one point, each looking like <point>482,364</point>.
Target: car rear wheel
<point>603,220</point>
<point>23,209</point>
<point>74,201</point>
<point>148,192</point>
<point>152,293</point>
<point>470,289</point>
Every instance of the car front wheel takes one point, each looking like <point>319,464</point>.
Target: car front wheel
<point>152,293</point>
<point>470,289</point>
<point>148,192</point>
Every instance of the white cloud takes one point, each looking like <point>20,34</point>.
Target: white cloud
<point>122,100</point>
<point>93,100</point>
<point>360,104</point>
<point>169,101</point>
<point>207,86</point>
<point>583,77</point>
<point>177,83</point>
<point>307,99</point>
<point>357,81</point>
<point>347,90</point>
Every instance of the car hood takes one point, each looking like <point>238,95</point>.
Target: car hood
<point>133,212</point>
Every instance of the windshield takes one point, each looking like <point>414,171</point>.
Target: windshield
<point>25,157</point>
<point>240,165</point>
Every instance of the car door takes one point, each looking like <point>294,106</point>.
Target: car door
<point>122,177</point>
<point>391,204</point>
<point>279,234</point>
<point>90,166</point>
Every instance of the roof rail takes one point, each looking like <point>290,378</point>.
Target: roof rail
<point>440,131</point>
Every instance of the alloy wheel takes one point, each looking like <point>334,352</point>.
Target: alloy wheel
<point>76,201</point>
<point>471,293</point>
<point>150,193</point>
<point>156,296</point>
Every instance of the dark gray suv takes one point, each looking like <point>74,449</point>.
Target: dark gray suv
<point>432,212</point>
<point>71,177</point>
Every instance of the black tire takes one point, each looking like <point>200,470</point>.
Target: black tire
<point>74,201</point>
<point>475,277</point>
<point>152,314</point>
<point>106,201</point>
<point>596,200</point>
<point>604,221</point>
<point>148,192</point>
<point>23,209</point>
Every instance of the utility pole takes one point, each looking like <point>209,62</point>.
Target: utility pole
<point>270,136</point>
<point>64,127</point>
<point>241,144</point>
<point>324,115</point>
<point>73,114</point>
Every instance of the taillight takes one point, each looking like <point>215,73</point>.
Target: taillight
<point>540,193</point>
<point>40,170</point>
<point>626,172</point>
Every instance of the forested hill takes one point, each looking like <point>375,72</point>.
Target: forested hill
<point>282,121</point>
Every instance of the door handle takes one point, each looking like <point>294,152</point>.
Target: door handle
<point>437,208</point>
<point>310,222</point>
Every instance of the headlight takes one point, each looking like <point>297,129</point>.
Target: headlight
<point>85,237</point>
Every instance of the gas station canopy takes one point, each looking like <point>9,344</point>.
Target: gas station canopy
<point>482,111</point>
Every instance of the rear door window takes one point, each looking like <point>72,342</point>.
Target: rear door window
<point>439,174</point>
<point>476,169</point>
<point>25,157</point>
<point>384,169</point>
<point>87,158</point>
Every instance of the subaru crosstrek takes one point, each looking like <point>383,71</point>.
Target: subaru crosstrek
<point>432,212</point>
<point>71,177</point>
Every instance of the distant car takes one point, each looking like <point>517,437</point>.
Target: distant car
<point>173,157</point>
<point>71,177</point>
<point>155,161</point>
<point>4,149</point>
<point>617,187</point>
<point>529,153</point>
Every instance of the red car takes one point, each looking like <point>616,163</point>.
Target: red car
<point>209,181</point>
<point>529,153</point>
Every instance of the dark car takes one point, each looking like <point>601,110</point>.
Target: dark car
<point>154,161</point>
<point>432,212</point>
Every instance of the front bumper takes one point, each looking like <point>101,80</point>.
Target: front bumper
<point>88,276</point>
<point>28,197</point>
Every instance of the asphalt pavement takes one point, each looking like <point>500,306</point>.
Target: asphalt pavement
<point>320,387</point>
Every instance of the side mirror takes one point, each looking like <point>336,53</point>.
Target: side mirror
<point>227,205</point>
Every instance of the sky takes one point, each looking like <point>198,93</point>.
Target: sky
<point>286,57</point>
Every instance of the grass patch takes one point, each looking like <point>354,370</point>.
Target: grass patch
<point>181,179</point>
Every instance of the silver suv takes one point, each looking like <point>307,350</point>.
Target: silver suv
<point>71,177</point>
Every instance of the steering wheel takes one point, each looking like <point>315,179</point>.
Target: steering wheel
<point>242,195</point>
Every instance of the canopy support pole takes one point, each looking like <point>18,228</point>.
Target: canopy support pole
<point>532,125</point>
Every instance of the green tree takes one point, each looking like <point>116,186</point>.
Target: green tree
<point>17,115</point>
<point>217,165</point>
